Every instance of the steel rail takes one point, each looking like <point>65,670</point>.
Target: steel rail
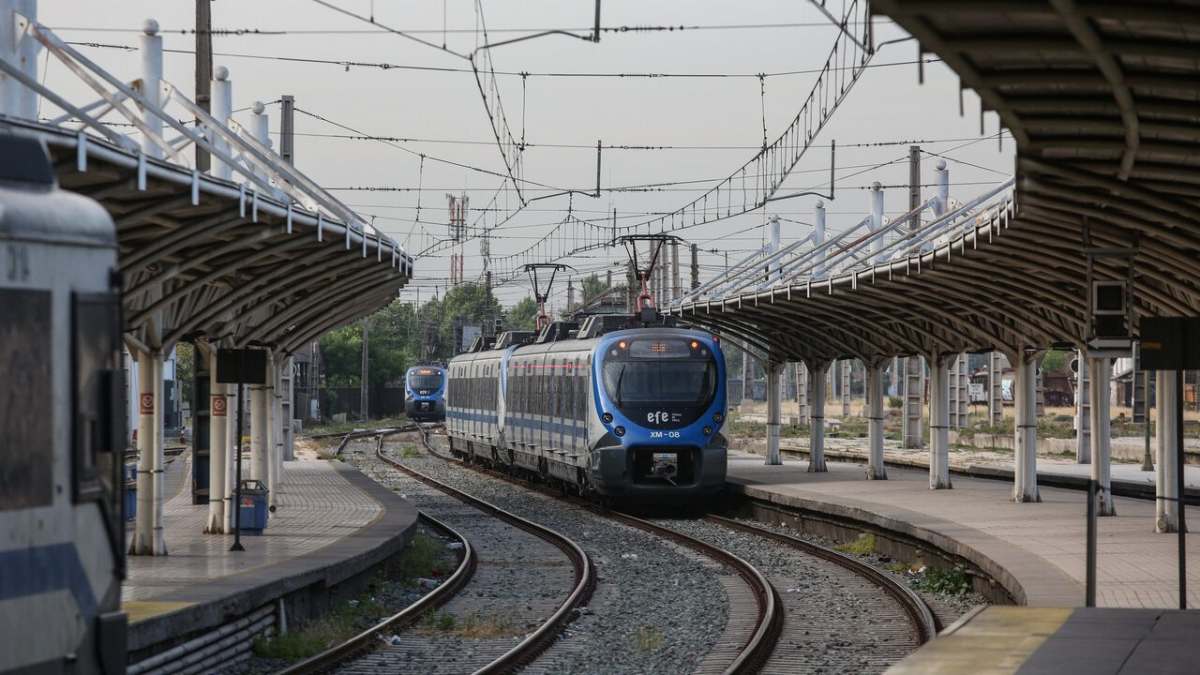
<point>923,621</point>
<point>585,574</point>
<point>331,658</point>
<point>754,654</point>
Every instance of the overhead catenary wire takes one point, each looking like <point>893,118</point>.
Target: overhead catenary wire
<point>632,75</point>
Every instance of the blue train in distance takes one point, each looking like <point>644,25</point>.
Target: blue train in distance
<point>605,410</point>
<point>425,393</point>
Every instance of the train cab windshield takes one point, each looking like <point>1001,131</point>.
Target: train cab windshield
<point>425,380</point>
<point>662,383</point>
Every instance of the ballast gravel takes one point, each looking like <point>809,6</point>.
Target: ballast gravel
<point>657,608</point>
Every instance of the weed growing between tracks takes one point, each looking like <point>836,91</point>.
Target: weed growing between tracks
<point>398,584</point>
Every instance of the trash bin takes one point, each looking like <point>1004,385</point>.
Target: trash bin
<point>253,507</point>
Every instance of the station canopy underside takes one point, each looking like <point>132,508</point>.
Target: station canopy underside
<point>203,258</point>
<point>1103,100</point>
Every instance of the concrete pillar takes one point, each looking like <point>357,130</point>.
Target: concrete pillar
<point>259,463</point>
<point>774,372</point>
<point>16,99</point>
<point>876,216</point>
<point>1025,487</point>
<point>942,175</point>
<point>218,435</point>
<point>260,124</point>
<point>816,430</point>
<point>143,532</point>
<point>939,423</point>
<point>222,109</point>
<point>1100,374</point>
<point>152,70</point>
<point>875,467</point>
<point>1083,415</point>
<point>1166,465</point>
<point>819,240</point>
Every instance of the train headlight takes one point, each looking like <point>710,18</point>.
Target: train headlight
<point>619,431</point>
<point>707,430</point>
<point>607,417</point>
<point>717,417</point>
<point>695,344</point>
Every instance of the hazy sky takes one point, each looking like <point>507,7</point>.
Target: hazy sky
<point>887,104</point>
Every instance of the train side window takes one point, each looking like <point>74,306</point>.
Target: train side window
<point>98,415</point>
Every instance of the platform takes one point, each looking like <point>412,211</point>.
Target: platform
<point>331,524</point>
<point>1035,550</point>
<point>1060,641</point>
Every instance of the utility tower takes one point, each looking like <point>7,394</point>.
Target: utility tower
<point>458,209</point>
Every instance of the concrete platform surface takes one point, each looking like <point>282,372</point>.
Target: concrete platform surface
<point>331,523</point>
<point>1036,550</point>
<point>1054,641</point>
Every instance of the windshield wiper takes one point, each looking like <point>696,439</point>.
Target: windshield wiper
<point>620,375</point>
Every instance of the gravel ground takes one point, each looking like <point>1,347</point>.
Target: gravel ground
<point>946,607</point>
<point>658,608</point>
<point>835,621</point>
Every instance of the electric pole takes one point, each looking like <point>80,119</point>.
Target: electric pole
<point>695,267</point>
<point>203,72</point>
<point>914,367</point>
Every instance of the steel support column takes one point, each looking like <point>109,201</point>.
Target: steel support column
<point>158,464</point>
<point>939,422</point>
<point>1025,487</point>
<point>913,368</point>
<point>774,372</point>
<point>802,391</point>
<point>995,389</point>
<point>875,466</point>
<point>1100,374</point>
<point>1083,415</point>
<point>847,371</point>
<point>270,431</point>
<point>1166,465</point>
<point>816,432</point>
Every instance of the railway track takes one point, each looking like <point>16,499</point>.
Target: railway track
<point>755,616</point>
<point>884,613</point>
<point>518,584</point>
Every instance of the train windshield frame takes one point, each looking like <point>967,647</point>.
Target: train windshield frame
<point>661,383</point>
<point>431,380</point>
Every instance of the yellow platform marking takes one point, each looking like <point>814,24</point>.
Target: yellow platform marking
<point>140,610</point>
<point>997,640</point>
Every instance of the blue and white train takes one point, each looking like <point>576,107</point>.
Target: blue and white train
<point>631,414</point>
<point>425,393</point>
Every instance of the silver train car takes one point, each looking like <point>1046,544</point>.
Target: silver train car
<point>62,434</point>
<point>606,411</point>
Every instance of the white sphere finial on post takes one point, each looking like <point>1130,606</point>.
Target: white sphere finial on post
<point>258,107</point>
<point>221,73</point>
<point>150,27</point>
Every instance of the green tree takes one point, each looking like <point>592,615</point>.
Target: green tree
<point>1055,360</point>
<point>593,286</point>
<point>522,316</point>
